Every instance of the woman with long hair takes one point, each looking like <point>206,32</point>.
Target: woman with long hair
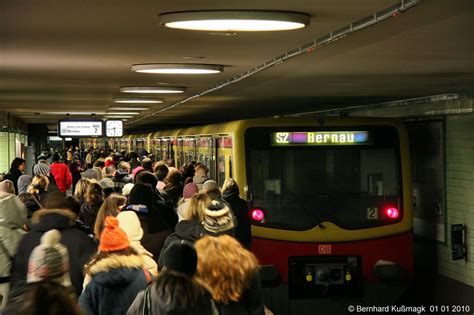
<point>93,200</point>
<point>190,228</point>
<point>232,273</point>
<point>111,206</point>
<point>39,187</point>
<point>81,189</point>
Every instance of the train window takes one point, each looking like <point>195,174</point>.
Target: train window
<point>221,170</point>
<point>301,186</point>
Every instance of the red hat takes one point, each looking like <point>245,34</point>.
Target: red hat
<point>113,238</point>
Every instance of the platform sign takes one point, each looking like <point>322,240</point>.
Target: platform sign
<point>315,138</point>
<point>80,128</point>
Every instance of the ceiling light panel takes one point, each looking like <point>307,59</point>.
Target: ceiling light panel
<point>122,113</point>
<point>153,89</point>
<point>129,108</point>
<point>137,101</point>
<point>177,68</point>
<point>235,20</point>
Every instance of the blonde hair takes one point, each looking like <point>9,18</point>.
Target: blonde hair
<point>110,207</point>
<point>81,188</point>
<point>39,184</point>
<point>225,266</point>
<point>229,183</point>
<point>196,207</point>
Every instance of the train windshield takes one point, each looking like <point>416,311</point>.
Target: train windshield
<point>301,177</point>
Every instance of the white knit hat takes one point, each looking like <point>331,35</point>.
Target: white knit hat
<point>127,188</point>
<point>41,168</point>
<point>129,222</point>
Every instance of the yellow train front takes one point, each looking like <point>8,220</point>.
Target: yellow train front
<point>330,198</point>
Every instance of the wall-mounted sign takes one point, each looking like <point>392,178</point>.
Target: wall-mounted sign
<point>320,138</point>
<point>80,128</point>
<point>114,128</point>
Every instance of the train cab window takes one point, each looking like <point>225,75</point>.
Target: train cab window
<point>220,170</point>
<point>301,185</point>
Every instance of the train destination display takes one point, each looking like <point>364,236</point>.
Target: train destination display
<point>80,128</point>
<point>320,138</point>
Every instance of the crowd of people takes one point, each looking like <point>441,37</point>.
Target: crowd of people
<point>117,233</point>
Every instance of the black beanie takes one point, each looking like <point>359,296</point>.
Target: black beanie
<point>141,194</point>
<point>181,256</point>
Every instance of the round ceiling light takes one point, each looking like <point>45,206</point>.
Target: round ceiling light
<point>177,68</point>
<point>235,20</point>
<point>137,101</point>
<point>152,89</point>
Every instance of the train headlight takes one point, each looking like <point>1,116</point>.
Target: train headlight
<point>257,215</point>
<point>392,213</point>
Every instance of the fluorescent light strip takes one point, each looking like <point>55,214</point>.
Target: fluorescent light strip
<point>117,116</point>
<point>153,89</point>
<point>122,113</point>
<point>137,101</point>
<point>129,108</point>
<point>176,68</point>
<point>235,20</point>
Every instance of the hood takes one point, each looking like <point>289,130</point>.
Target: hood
<point>121,174</point>
<point>12,211</point>
<point>231,193</point>
<point>116,269</point>
<point>47,219</point>
<point>190,230</point>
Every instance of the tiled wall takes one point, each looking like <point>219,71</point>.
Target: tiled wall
<point>8,147</point>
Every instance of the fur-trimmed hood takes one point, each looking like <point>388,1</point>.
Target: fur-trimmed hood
<point>115,261</point>
<point>116,270</point>
<point>47,219</point>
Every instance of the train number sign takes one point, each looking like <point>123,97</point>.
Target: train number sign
<point>324,249</point>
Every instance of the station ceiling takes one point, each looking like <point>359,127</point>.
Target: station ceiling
<point>59,57</point>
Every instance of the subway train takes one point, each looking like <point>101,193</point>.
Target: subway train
<point>330,198</point>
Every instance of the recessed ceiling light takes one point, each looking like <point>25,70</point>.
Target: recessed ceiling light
<point>137,101</point>
<point>152,89</point>
<point>122,113</point>
<point>177,68</point>
<point>235,20</point>
<point>129,108</point>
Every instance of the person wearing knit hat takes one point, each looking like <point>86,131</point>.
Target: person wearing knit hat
<point>49,288</point>
<point>107,186</point>
<point>176,291</point>
<point>117,273</point>
<point>49,261</point>
<point>219,219</point>
<point>127,188</point>
<point>23,182</point>
<point>41,168</point>
<point>129,222</point>
<point>188,192</point>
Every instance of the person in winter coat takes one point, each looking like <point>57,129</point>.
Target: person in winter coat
<point>7,186</point>
<point>174,188</point>
<point>39,187</point>
<point>93,201</point>
<point>81,189</point>
<point>190,228</point>
<point>43,168</point>
<point>188,192</point>
<point>200,176</point>
<point>17,167</point>
<point>230,193</point>
<point>161,171</point>
<point>130,224</point>
<point>76,169</point>
<point>48,289</point>
<point>122,177</point>
<point>155,230</point>
<point>61,173</point>
<point>80,246</point>
<point>177,291</point>
<point>12,220</point>
<point>232,273</point>
<point>117,274</point>
<point>23,182</point>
